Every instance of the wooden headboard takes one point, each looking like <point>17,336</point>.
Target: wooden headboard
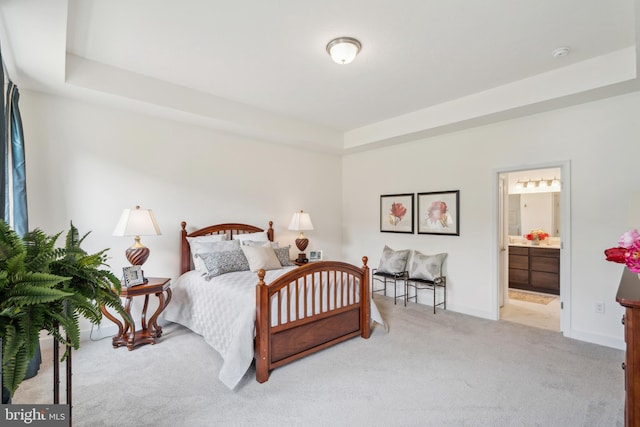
<point>229,229</point>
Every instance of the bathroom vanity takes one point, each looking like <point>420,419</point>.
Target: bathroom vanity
<point>534,268</point>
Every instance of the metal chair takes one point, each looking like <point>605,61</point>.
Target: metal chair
<point>430,285</point>
<point>426,272</point>
<point>395,278</point>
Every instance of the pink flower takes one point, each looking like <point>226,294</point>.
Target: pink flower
<point>628,251</point>
<point>629,238</point>
<point>632,257</point>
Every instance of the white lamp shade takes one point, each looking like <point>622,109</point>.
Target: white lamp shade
<point>137,222</point>
<point>301,221</point>
<point>343,50</point>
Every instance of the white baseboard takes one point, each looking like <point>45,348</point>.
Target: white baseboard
<point>98,333</point>
<point>471,311</point>
<point>590,337</point>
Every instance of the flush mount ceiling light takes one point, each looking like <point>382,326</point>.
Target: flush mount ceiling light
<point>343,50</point>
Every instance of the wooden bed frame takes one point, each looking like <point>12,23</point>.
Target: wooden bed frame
<point>283,342</point>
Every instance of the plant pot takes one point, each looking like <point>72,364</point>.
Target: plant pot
<point>34,363</point>
<point>6,397</point>
<point>535,242</point>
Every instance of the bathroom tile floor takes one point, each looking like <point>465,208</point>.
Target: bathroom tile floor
<point>544,316</point>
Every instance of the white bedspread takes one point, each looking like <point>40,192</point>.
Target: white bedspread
<point>223,311</point>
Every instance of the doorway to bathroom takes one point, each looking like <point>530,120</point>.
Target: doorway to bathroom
<point>531,227</point>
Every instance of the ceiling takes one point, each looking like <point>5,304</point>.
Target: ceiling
<point>260,68</point>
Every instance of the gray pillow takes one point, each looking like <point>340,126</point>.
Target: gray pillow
<point>283,256</point>
<point>393,261</point>
<point>426,267</point>
<point>208,244</point>
<point>218,263</point>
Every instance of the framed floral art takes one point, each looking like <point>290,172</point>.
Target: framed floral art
<point>396,213</point>
<point>439,213</point>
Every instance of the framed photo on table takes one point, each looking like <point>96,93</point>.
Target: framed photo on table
<point>439,213</point>
<point>132,276</point>
<point>315,256</point>
<point>396,213</point>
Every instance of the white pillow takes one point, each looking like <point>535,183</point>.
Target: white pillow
<point>260,236</point>
<point>393,262</point>
<point>274,245</point>
<point>426,267</point>
<point>209,244</point>
<point>261,257</point>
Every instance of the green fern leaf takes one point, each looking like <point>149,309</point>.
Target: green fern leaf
<point>14,370</point>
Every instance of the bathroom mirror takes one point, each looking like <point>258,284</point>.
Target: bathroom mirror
<point>533,211</point>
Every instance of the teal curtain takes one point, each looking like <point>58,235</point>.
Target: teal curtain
<point>4,166</point>
<point>17,194</point>
<point>5,393</point>
<point>13,183</point>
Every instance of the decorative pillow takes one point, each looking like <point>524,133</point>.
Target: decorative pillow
<point>261,257</point>
<point>217,263</point>
<point>274,245</point>
<point>393,261</point>
<point>283,256</point>
<point>207,246</point>
<point>426,267</point>
<point>260,236</point>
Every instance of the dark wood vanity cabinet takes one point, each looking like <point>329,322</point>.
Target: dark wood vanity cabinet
<point>629,297</point>
<point>534,269</point>
<point>519,267</point>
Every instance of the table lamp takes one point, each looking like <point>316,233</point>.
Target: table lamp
<point>137,222</point>
<point>301,221</point>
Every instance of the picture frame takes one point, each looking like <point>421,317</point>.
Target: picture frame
<point>439,213</point>
<point>396,213</point>
<point>315,256</point>
<point>132,276</point>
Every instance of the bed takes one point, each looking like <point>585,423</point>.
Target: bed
<point>275,316</point>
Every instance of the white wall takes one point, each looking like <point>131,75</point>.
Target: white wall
<point>86,163</point>
<point>600,139</point>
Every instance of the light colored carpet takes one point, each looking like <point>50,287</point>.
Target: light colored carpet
<point>529,297</point>
<point>446,369</point>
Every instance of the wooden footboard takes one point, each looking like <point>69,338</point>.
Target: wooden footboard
<point>308,309</point>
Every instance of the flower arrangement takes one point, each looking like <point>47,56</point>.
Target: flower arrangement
<point>627,252</point>
<point>537,235</point>
<point>398,211</point>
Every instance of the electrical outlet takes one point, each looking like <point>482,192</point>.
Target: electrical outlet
<point>599,307</point>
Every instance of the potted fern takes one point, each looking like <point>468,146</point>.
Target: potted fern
<point>89,284</point>
<point>47,288</point>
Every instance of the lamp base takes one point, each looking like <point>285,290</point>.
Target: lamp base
<point>301,243</point>
<point>137,255</point>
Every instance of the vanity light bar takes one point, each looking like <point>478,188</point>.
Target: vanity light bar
<point>533,183</point>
